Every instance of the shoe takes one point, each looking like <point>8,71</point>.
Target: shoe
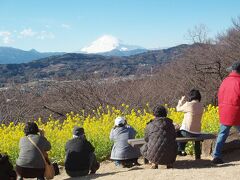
<point>169,166</point>
<point>136,164</point>
<point>145,161</point>
<point>182,153</point>
<point>217,161</point>
<point>154,166</point>
<point>197,157</point>
<point>93,171</point>
<point>118,163</point>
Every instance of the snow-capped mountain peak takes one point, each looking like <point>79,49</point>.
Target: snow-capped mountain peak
<point>107,43</point>
<point>102,44</point>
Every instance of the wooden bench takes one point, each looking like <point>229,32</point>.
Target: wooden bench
<point>204,136</point>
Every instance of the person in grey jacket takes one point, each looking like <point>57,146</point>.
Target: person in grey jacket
<point>122,153</point>
<point>30,163</point>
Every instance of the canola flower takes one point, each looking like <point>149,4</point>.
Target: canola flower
<point>97,128</point>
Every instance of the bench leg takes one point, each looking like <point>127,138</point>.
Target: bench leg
<point>197,149</point>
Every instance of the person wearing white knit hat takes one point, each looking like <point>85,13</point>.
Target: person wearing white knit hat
<point>122,153</point>
<point>120,120</point>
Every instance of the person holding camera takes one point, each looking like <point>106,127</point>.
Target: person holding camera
<point>30,163</point>
<point>191,124</point>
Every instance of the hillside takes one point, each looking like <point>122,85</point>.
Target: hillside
<point>117,52</point>
<point>9,55</point>
<point>76,66</point>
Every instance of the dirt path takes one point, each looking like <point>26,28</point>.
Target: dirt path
<point>184,168</point>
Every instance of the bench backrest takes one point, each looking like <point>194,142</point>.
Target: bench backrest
<point>202,137</point>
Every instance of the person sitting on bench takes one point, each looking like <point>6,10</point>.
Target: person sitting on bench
<point>191,124</point>
<point>160,136</point>
<point>123,153</point>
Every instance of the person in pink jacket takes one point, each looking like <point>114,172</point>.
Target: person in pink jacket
<point>191,124</point>
<point>229,109</point>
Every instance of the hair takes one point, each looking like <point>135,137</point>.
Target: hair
<point>236,67</point>
<point>31,128</point>
<point>160,111</point>
<point>78,131</point>
<point>194,94</point>
<point>121,125</point>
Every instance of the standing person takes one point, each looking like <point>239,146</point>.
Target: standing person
<point>229,108</point>
<point>191,124</point>
<point>30,163</point>
<point>80,156</point>
<point>160,136</point>
<point>6,169</point>
<point>123,153</point>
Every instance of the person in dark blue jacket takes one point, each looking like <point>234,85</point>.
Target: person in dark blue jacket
<point>80,156</point>
<point>6,169</point>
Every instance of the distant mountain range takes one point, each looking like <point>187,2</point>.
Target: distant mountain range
<point>75,65</point>
<point>117,52</point>
<point>9,55</point>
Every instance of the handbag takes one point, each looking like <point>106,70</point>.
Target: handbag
<point>49,172</point>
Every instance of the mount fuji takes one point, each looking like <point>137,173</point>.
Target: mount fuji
<point>111,46</point>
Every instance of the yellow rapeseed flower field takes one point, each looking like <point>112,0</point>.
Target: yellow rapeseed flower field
<point>97,128</point>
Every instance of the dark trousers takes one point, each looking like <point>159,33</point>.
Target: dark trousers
<point>182,145</point>
<point>24,172</point>
<point>93,167</point>
<point>127,162</point>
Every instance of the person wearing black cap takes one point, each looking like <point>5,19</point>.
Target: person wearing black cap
<point>80,157</point>
<point>160,136</point>
<point>229,108</point>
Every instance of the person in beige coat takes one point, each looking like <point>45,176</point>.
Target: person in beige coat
<point>191,124</point>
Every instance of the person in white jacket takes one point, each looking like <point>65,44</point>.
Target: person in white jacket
<point>191,124</point>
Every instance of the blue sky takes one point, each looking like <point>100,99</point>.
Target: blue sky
<point>69,25</point>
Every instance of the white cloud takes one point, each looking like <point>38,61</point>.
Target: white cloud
<point>28,33</point>
<point>6,37</point>
<point>66,26</point>
<point>45,35</point>
<point>7,40</point>
<point>25,33</point>
<point>5,33</point>
<point>103,44</point>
